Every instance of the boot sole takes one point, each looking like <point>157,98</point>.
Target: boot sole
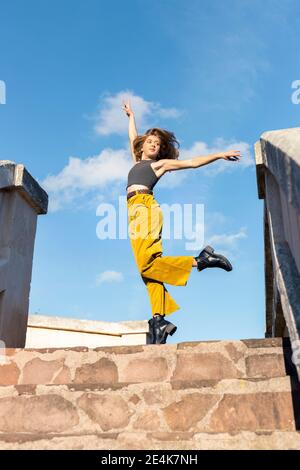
<point>227,263</point>
<point>170,329</point>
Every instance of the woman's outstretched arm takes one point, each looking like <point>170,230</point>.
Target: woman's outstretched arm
<point>132,132</point>
<point>172,165</point>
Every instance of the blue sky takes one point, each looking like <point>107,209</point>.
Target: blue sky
<point>216,73</point>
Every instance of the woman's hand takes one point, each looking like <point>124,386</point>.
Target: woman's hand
<point>233,155</point>
<point>127,108</point>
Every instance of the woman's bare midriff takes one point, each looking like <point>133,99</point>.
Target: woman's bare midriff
<point>135,187</point>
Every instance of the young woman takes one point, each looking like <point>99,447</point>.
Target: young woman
<point>155,153</point>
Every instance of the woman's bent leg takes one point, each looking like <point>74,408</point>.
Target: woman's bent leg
<point>146,221</point>
<point>161,301</point>
<point>145,228</point>
<point>174,270</point>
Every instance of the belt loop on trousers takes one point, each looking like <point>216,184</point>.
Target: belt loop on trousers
<point>139,191</point>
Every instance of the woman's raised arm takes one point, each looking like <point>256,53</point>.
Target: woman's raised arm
<point>172,165</point>
<point>132,132</point>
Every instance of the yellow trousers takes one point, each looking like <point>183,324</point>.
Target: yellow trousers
<point>145,221</point>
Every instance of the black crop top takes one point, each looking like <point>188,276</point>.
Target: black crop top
<point>142,173</point>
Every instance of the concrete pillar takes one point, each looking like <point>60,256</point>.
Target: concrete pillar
<point>278,178</point>
<point>21,200</point>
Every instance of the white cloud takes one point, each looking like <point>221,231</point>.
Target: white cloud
<point>227,243</point>
<point>228,240</point>
<point>175,178</point>
<point>221,145</point>
<point>96,171</point>
<point>81,176</point>
<point>109,276</point>
<point>111,119</point>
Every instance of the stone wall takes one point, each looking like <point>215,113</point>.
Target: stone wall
<point>200,395</point>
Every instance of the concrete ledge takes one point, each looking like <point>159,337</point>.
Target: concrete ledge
<point>281,155</point>
<point>288,140</point>
<point>15,176</point>
<point>7,172</point>
<point>88,326</point>
<point>46,331</point>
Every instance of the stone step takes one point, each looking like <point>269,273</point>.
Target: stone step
<point>227,406</point>
<point>200,361</point>
<point>245,440</point>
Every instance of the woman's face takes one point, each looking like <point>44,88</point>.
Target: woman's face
<point>151,147</point>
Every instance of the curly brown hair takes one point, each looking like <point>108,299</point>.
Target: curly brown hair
<point>168,144</point>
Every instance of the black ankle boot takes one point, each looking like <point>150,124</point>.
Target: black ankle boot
<point>159,329</point>
<point>209,259</point>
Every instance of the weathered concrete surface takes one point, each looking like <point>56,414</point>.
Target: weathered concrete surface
<point>21,199</point>
<point>198,362</point>
<point>278,179</point>
<point>14,176</point>
<point>57,332</point>
<point>281,155</point>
